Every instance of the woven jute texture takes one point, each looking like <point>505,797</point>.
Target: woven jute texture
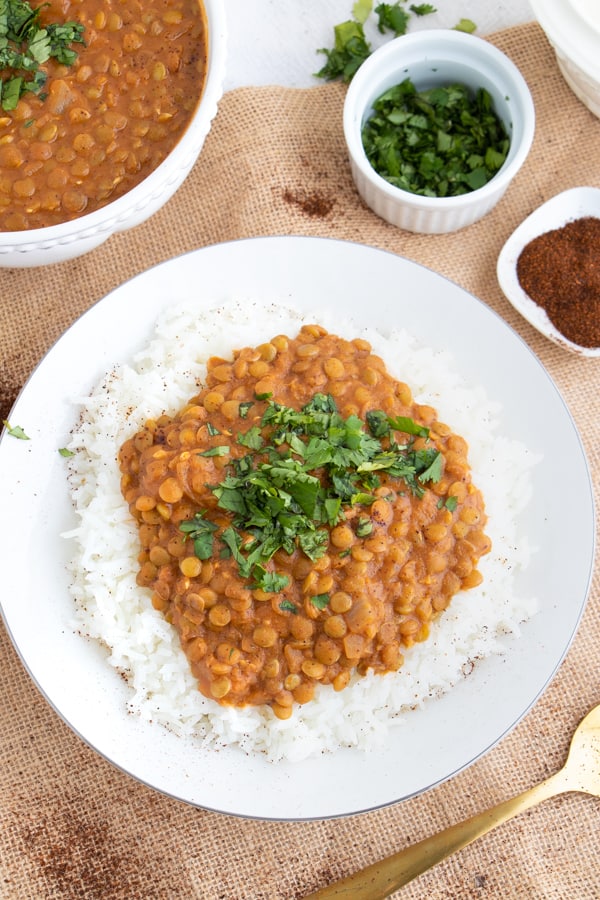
<point>72,826</point>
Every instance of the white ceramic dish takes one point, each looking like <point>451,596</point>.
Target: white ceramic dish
<point>359,283</point>
<point>573,29</point>
<point>57,243</point>
<point>430,58</point>
<point>556,212</point>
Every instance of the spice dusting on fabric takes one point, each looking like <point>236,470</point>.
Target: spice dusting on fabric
<point>314,205</point>
<point>560,271</point>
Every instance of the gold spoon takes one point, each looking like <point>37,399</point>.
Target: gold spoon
<point>581,772</point>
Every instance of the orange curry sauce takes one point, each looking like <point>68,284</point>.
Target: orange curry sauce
<point>385,568</point>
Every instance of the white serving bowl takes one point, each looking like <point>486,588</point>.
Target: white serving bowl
<point>57,243</point>
<point>567,206</point>
<point>573,29</point>
<point>431,58</point>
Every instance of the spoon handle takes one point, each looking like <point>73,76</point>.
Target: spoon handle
<point>380,879</point>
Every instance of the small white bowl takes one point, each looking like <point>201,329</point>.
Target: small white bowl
<point>430,58</point>
<point>556,212</point>
<point>57,243</point>
<point>573,29</point>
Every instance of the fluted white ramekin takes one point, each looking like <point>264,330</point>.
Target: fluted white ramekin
<point>431,58</point>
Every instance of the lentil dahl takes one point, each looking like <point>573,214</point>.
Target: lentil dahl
<point>389,563</point>
<point>109,119</point>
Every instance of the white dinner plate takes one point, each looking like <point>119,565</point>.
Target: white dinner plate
<point>374,288</point>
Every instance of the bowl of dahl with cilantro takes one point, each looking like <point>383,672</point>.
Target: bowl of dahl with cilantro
<point>437,124</point>
<point>104,110</point>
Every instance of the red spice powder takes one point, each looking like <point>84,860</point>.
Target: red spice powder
<point>560,271</point>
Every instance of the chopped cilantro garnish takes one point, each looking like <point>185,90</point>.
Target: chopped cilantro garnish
<point>449,503</point>
<point>221,450</point>
<point>305,468</point>
<point>320,601</point>
<point>408,426</point>
<point>245,408</point>
<point>364,527</point>
<point>351,46</point>
<point>64,451</point>
<point>350,50</point>
<point>270,582</point>
<point>466,25</point>
<point>251,439</point>
<point>288,606</point>
<point>392,17</point>
<point>200,531</point>
<point>378,422</point>
<point>362,10</point>
<point>25,45</point>
<point>422,9</point>
<point>439,142</point>
<point>233,542</point>
<point>432,470</point>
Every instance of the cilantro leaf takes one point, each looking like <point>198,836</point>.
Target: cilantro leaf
<point>449,503</point>
<point>222,450</point>
<point>422,9</point>
<point>251,438</point>
<point>313,543</point>
<point>25,45</point>
<point>433,471</point>
<point>200,531</point>
<point>288,606</point>
<point>378,422</point>
<point>466,25</point>
<point>362,10</point>
<point>233,541</point>
<point>320,601</point>
<point>392,17</point>
<point>350,50</point>
<point>364,527</point>
<point>270,582</point>
<point>15,431</point>
<point>408,426</point>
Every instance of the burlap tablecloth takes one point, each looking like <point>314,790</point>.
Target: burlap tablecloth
<point>72,826</point>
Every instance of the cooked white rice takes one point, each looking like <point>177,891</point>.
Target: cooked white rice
<point>112,609</point>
